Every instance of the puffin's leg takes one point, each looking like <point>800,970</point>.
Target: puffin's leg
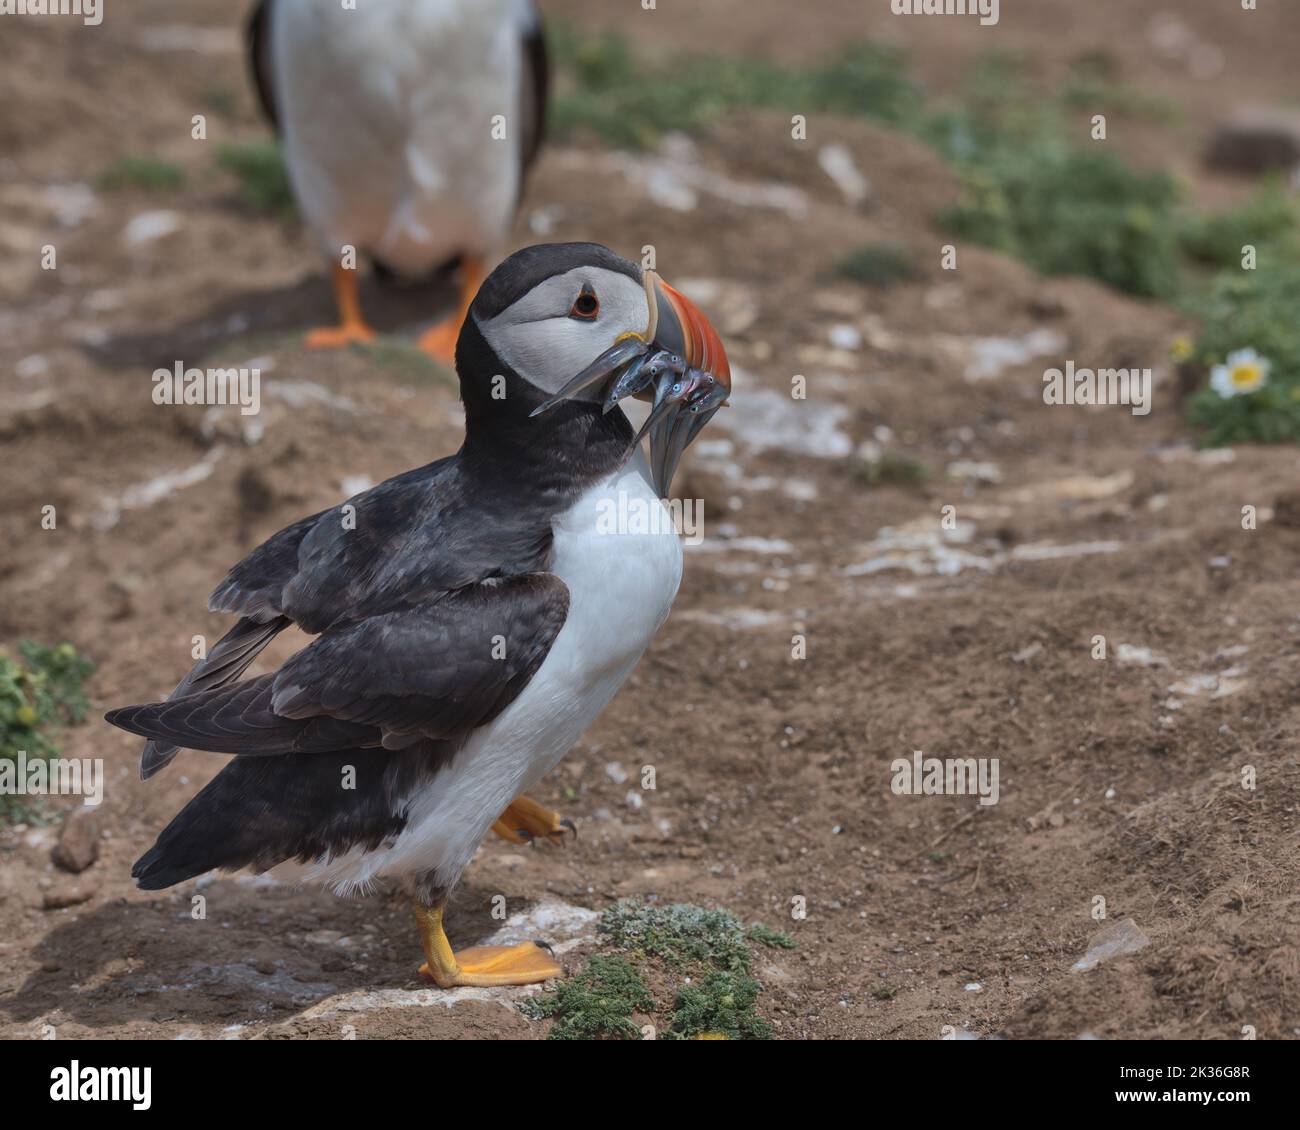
<point>524,964</point>
<point>525,820</point>
<point>352,325</point>
<point>439,341</point>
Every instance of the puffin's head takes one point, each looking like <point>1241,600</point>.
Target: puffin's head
<point>574,322</point>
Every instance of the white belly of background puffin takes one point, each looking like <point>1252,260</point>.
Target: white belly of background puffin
<point>401,161</point>
<point>621,586</point>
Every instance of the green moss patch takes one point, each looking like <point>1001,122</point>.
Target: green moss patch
<point>687,968</point>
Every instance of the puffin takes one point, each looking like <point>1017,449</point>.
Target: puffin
<point>407,128</point>
<point>472,617</point>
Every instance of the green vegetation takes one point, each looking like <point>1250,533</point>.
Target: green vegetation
<point>766,936</point>
<point>39,692</point>
<point>722,1004</point>
<point>631,101</point>
<point>152,174</point>
<point>892,470</point>
<point>677,934</point>
<point>220,100</point>
<point>1251,310</point>
<point>1068,212</point>
<point>1093,84</point>
<point>406,361</point>
<point>704,952</point>
<point>597,1004</point>
<point>259,169</point>
<point>1267,222</point>
<point>879,265</point>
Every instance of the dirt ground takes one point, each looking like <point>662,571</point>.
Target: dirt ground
<point>1120,778</point>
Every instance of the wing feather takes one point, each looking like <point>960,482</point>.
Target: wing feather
<point>436,671</point>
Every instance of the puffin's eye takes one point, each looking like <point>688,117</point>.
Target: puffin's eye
<point>586,306</point>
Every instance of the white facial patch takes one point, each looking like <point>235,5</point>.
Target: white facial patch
<point>538,339</point>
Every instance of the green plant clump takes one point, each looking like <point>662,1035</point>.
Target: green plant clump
<point>678,934</point>
<point>39,692</point>
<point>1253,310</point>
<point>597,1004</point>
<point>879,265</point>
<point>766,936</point>
<point>1266,222</point>
<point>721,1004</point>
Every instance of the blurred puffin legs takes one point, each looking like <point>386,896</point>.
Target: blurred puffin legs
<point>352,325</point>
<point>407,129</point>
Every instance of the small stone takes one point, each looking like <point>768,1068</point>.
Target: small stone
<point>1257,140</point>
<point>845,336</point>
<point>1286,510</point>
<point>63,897</point>
<point>78,845</point>
<point>150,226</point>
<point>1117,940</point>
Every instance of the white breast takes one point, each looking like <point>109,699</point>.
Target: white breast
<point>387,113</point>
<point>617,551</point>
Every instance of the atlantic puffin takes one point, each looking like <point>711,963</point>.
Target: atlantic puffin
<point>408,127</point>
<point>472,616</point>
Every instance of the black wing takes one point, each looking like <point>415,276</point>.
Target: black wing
<point>258,41</point>
<point>433,672</point>
<point>222,665</point>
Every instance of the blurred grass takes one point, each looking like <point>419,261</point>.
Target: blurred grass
<point>153,174</point>
<point>881,264</point>
<point>1267,221</point>
<point>259,169</point>
<point>627,100</point>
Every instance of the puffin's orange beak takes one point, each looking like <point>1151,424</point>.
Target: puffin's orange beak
<point>680,327</point>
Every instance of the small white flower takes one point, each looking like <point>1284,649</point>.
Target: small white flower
<point>1245,371</point>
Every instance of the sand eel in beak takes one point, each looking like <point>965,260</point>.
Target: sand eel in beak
<point>391,116</point>
<point>471,621</point>
<point>677,361</point>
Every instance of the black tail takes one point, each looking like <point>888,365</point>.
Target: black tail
<point>261,811</point>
